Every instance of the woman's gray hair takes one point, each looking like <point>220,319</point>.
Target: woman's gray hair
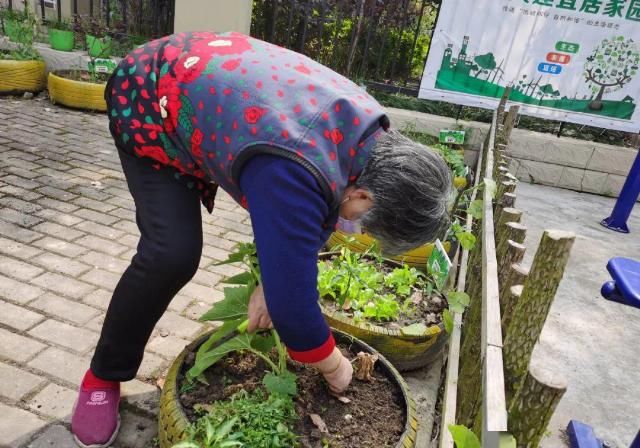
<point>411,187</point>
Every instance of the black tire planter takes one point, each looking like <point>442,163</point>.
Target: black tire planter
<point>405,352</point>
<point>173,422</point>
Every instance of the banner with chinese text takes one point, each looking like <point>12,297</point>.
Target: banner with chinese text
<point>568,60</point>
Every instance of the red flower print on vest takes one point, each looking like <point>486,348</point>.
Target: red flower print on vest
<point>196,141</point>
<point>190,67</point>
<point>171,53</point>
<point>335,136</point>
<point>169,97</point>
<point>211,43</point>
<point>253,114</point>
<point>154,152</point>
<point>232,64</point>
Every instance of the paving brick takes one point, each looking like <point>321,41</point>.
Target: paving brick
<point>20,205</point>
<point>16,383</point>
<point>60,247</point>
<point>54,401</point>
<point>18,269</point>
<point>18,348</point>
<point>152,366</point>
<point>198,292</point>
<point>18,250</point>
<point>95,324</point>
<point>178,325</point>
<point>101,245</point>
<point>55,436</point>
<point>226,270</point>
<point>17,426</point>
<point>100,230</point>
<point>19,218</point>
<point>106,262</point>
<point>98,299</point>
<point>69,336</point>
<point>94,205</point>
<point>18,317</point>
<point>141,395</point>
<point>17,181</point>
<point>99,277</point>
<point>58,231</point>
<point>234,226</point>
<point>130,240</point>
<point>220,242</point>
<point>57,193</point>
<point>127,226</point>
<point>16,291</point>
<point>58,263</point>
<point>94,216</point>
<point>14,232</point>
<point>27,195</point>
<point>214,252</point>
<point>136,431</point>
<point>239,237</point>
<point>61,218</point>
<point>61,364</point>
<point>206,278</point>
<point>63,285</point>
<point>180,302</point>
<point>169,346</point>
<point>70,310</point>
<point>65,207</point>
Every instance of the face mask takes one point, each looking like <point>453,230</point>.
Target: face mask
<point>348,226</point>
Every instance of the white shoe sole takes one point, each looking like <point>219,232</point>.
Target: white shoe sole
<point>109,442</point>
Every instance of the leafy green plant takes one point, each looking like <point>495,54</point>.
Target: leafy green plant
<point>24,23</point>
<point>62,25</point>
<point>232,336</point>
<point>246,420</point>
<point>463,437</point>
<point>363,289</point>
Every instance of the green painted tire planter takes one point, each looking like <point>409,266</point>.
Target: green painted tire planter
<point>99,47</point>
<point>403,351</point>
<point>61,40</point>
<point>173,423</point>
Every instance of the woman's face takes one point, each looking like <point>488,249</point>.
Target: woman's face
<point>355,203</point>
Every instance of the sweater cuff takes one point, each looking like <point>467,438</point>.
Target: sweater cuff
<point>315,355</point>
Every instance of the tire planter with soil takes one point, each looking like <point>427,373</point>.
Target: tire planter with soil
<point>405,352</point>
<point>359,243</point>
<point>21,76</point>
<point>174,420</point>
<point>76,93</point>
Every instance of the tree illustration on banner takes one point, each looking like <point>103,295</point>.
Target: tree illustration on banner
<point>612,64</point>
<point>547,90</point>
<point>486,63</point>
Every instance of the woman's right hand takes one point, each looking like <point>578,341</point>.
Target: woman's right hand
<point>337,371</point>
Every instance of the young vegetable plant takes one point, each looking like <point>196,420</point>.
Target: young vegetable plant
<point>232,336</point>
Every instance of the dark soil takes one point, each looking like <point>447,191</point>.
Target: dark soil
<point>374,418</point>
<point>84,76</point>
<point>425,309</point>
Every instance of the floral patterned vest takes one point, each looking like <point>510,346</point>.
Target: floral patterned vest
<point>201,104</point>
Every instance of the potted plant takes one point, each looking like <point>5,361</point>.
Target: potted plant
<point>251,394</point>
<point>79,89</point>
<point>22,68</point>
<point>99,43</point>
<point>61,35</point>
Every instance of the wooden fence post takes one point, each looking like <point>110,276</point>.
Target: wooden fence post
<point>507,200</point>
<point>510,122</point>
<point>513,231</point>
<point>531,410</point>
<point>531,310</point>
<point>514,254</point>
<point>508,214</point>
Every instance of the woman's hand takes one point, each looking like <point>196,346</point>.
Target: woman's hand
<point>337,371</point>
<point>258,313</point>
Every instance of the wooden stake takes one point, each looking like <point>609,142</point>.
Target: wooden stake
<point>513,231</point>
<point>507,200</point>
<point>513,255</point>
<point>510,122</point>
<point>508,302</point>
<point>531,410</point>
<point>508,214</point>
<point>531,310</point>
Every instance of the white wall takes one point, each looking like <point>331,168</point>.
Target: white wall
<point>213,15</point>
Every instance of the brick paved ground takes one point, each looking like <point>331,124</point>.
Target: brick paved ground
<point>67,232</point>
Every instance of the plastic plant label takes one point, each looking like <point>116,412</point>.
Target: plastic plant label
<point>439,265</point>
<point>102,65</point>
<point>452,137</point>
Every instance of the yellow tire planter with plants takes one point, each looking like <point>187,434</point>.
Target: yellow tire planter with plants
<point>173,422</point>
<point>77,94</point>
<point>21,76</point>
<point>359,243</point>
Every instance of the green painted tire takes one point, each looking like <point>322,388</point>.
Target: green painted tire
<point>404,352</point>
<point>173,423</point>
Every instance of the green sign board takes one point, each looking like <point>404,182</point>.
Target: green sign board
<point>452,137</point>
<point>439,265</point>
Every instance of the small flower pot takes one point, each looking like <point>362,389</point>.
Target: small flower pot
<point>61,40</point>
<point>99,47</point>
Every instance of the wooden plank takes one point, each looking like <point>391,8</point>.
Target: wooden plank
<point>450,400</point>
<point>494,409</point>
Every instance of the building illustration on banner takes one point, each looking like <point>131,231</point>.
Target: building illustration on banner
<point>609,66</point>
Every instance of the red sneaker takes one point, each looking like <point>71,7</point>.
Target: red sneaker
<point>96,421</point>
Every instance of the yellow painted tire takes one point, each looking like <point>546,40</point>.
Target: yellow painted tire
<point>21,76</point>
<point>173,421</point>
<point>76,94</point>
<point>361,242</point>
<point>403,351</point>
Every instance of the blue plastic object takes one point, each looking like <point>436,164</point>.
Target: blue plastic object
<point>582,436</point>
<point>628,197</point>
<point>625,287</point>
